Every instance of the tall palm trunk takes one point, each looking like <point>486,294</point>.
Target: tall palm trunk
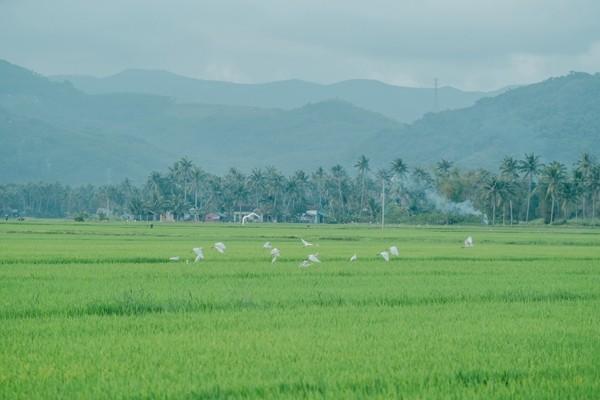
<point>510,203</point>
<point>528,198</point>
<point>196,205</point>
<point>552,212</point>
<point>362,194</point>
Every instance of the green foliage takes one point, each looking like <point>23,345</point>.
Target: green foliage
<point>80,217</point>
<point>453,196</point>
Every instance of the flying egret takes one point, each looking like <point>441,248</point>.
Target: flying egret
<point>220,247</point>
<point>314,258</point>
<point>199,253</point>
<point>394,251</point>
<point>305,243</point>
<point>469,242</point>
<point>174,258</point>
<point>304,264</point>
<point>267,245</point>
<point>353,258</point>
<point>385,255</point>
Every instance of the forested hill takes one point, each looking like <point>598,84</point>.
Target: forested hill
<point>52,131</point>
<point>405,104</point>
<point>558,118</point>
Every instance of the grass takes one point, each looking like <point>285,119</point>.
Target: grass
<point>97,311</point>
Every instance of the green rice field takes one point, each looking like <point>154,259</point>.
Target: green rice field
<point>92,310</point>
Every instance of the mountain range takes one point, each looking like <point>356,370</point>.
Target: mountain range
<point>404,104</point>
<point>53,130</point>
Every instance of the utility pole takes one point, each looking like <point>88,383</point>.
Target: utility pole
<point>382,202</point>
<point>435,95</point>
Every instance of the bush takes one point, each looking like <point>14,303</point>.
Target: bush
<point>80,217</point>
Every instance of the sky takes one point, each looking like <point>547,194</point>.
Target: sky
<point>469,44</point>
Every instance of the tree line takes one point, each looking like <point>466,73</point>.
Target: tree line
<point>521,190</point>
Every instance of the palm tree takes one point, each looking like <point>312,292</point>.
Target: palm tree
<point>318,178</point>
<point>594,183</point>
<point>339,176</point>
<point>491,189</point>
<point>585,165</point>
<point>578,188</point>
<point>363,167</point>
<point>554,175</point>
<point>398,170</point>
<point>568,194</point>
<point>385,176</point>
<point>530,167</point>
<point>422,176</point>
<point>510,173</point>
<point>257,183</point>
<point>443,167</point>
<point>505,192</point>
<point>274,183</point>
<point>197,178</point>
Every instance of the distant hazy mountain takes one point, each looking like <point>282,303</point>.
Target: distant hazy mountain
<point>558,119</point>
<point>52,131</point>
<point>401,103</point>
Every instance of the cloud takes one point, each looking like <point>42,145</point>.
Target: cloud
<point>475,44</point>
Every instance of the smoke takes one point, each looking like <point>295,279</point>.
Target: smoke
<point>440,203</point>
<point>430,198</point>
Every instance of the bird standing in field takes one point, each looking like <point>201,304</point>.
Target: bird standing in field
<point>304,264</point>
<point>353,258</point>
<point>199,253</point>
<point>385,255</point>
<point>305,243</point>
<point>469,242</point>
<point>314,258</point>
<point>275,253</point>
<point>267,245</point>
<point>220,247</point>
<point>394,251</point>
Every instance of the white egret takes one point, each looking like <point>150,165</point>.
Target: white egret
<point>267,245</point>
<point>275,253</point>
<point>220,247</point>
<point>469,242</point>
<point>353,258</point>
<point>305,243</point>
<point>199,253</point>
<point>174,258</point>
<point>394,251</point>
<point>304,264</point>
<point>314,258</point>
<point>385,255</point>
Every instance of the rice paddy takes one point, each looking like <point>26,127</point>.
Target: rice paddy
<point>99,311</point>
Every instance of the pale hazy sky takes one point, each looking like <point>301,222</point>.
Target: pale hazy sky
<point>471,44</point>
